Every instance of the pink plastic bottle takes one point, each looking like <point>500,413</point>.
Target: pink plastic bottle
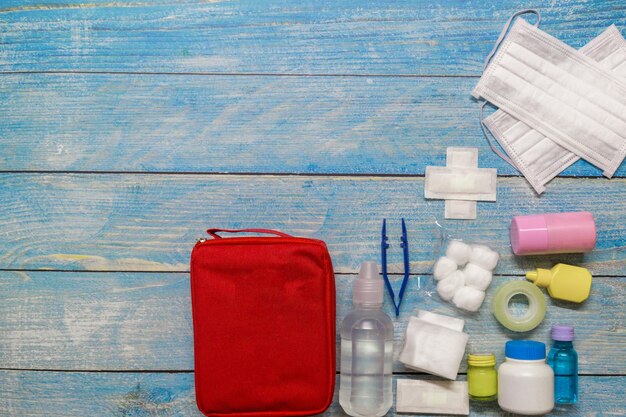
<point>542,234</point>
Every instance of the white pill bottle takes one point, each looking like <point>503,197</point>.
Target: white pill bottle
<point>525,380</point>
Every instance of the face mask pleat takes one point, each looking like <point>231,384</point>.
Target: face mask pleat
<point>525,137</point>
<point>539,96</point>
<point>580,96</point>
<point>576,65</point>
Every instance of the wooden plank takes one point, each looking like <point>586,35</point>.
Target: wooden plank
<point>113,222</point>
<point>157,123</point>
<point>60,394</point>
<point>139,321</point>
<point>322,37</point>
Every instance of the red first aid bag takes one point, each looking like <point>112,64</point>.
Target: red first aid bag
<point>264,325</point>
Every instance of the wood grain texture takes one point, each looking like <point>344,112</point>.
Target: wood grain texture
<point>55,394</point>
<point>140,321</point>
<point>158,123</point>
<point>308,37</point>
<point>150,222</point>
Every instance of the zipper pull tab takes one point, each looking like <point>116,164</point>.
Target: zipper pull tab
<point>201,240</point>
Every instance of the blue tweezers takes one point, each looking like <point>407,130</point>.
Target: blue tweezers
<point>383,252</point>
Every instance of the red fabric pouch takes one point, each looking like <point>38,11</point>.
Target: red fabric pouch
<point>264,325</point>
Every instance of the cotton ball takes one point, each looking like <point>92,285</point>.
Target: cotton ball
<point>469,298</point>
<point>484,257</point>
<point>444,267</point>
<point>459,252</point>
<point>448,287</point>
<point>477,277</point>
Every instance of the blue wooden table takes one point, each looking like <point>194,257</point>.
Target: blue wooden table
<point>128,128</point>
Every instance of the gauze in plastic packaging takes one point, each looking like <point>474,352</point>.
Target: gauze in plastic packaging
<point>432,397</point>
<point>460,209</point>
<point>536,156</point>
<point>461,157</point>
<point>453,183</point>
<point>433,348</point>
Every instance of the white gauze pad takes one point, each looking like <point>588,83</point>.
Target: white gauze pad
<point>477,277</point>
<point>448,286</point>
<point>432,397</point>
<point>463,158</point>
<point>459,252</point>
<point>469,298</point>
<point>460,209</point>
<point>433,349</point>
<point>454,183</point>
<point>451,323</point>
<point>484,257</point>
<point>444,267</point>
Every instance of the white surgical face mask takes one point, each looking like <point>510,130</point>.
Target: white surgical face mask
<point>537,157</point>
<point>560,93</point>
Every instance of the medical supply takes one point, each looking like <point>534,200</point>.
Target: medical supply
<point>453,183</point>
<point>461,183</point>
<point>404,243</point>
<point>465,287</point>
<point>447,287</point>
<point>482,378</point>
<point>530,77</point>
<point>461,158</point>
<point>550,233</point>
<point>263,324</point>
<point>536,306</point>
<point>460,209</point>
<point>432,397</point>
<point>525,381</point>
<point>537,157</point>
<point>484,257</point>
<point>477,277</point>
<point>563,360</point>
<point>452,323</point>
<point>459,252</point>
<point>366,349</point>
<point>444,267</point>
<point>468,298</point>
<point>433,346</point>
<point>564,282</point>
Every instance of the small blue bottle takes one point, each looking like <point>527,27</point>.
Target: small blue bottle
<point>563,359</point>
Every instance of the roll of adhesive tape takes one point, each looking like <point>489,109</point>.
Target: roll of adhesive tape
<point>536,306</point>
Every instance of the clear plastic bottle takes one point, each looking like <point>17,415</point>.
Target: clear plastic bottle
<point>563,360</point>
<point>366,349</point>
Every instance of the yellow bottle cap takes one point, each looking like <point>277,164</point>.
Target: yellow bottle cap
<point>481,359</point>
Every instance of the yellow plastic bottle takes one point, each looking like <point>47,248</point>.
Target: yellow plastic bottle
<point>564,282</point>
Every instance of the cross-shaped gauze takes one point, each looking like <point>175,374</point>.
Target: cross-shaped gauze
<point>461,183</point>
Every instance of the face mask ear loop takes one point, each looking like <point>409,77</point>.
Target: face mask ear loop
<point>492,145</point>
<point>506,29</point>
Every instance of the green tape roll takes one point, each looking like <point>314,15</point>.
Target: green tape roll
<point>536,306</point>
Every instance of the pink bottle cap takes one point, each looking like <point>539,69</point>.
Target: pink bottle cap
<point>553,233</point>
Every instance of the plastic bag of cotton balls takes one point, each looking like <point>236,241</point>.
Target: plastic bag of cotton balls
<point>464,273</point>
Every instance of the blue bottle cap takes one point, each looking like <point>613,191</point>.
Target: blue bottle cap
<point>525,350</point>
